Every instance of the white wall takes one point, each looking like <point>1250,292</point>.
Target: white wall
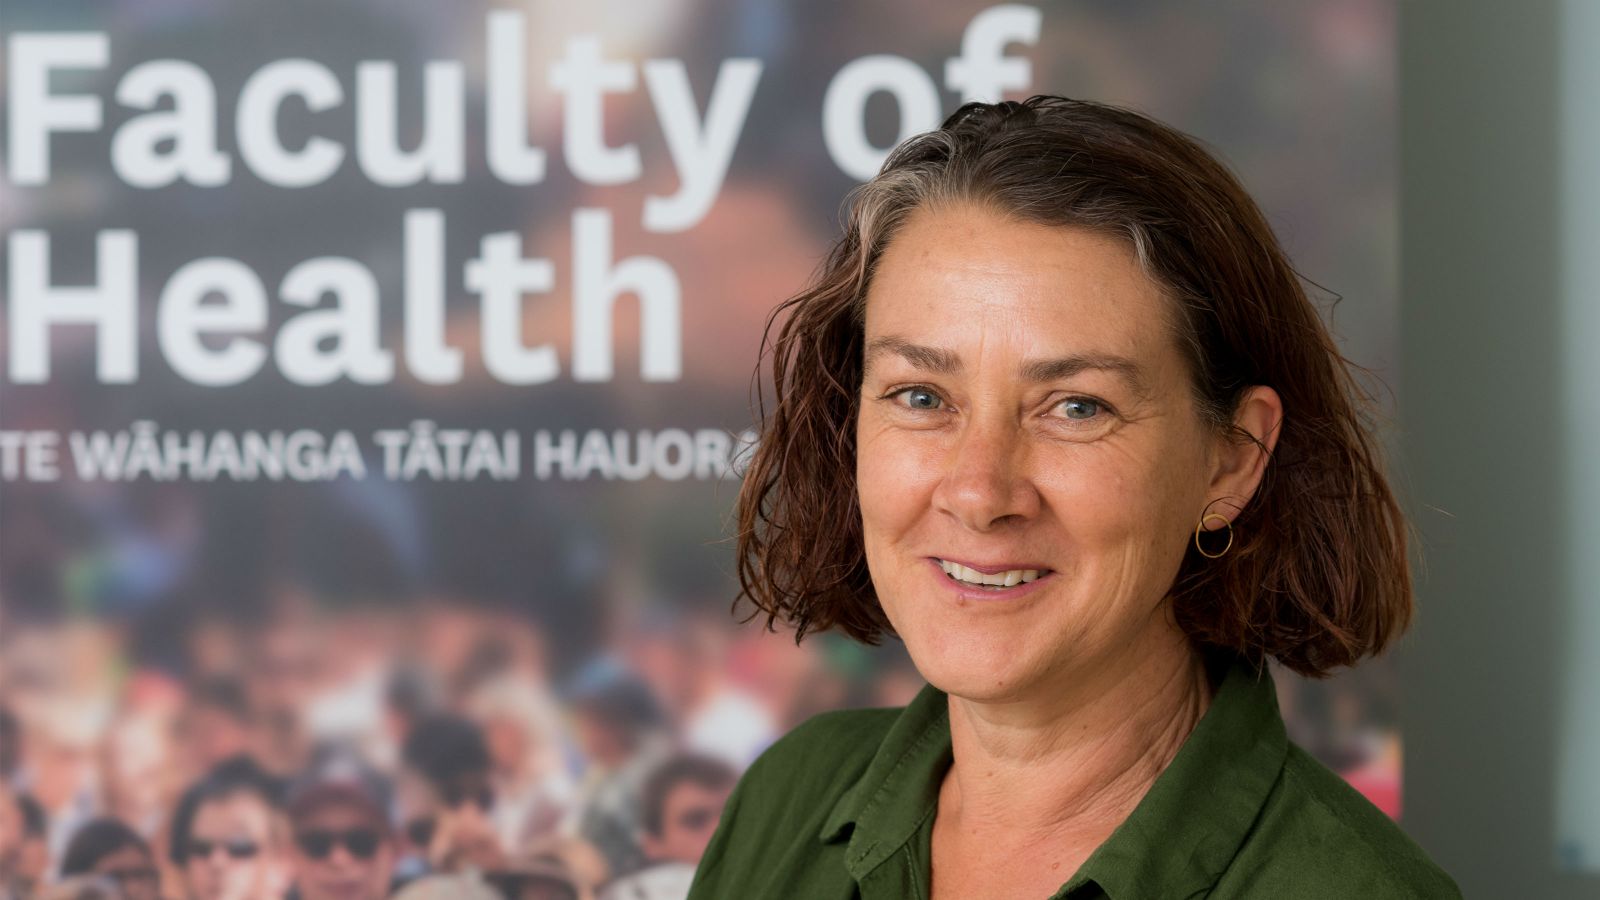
<point>1578,784</point>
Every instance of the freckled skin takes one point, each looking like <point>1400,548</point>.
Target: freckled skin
<point>986,439</point>
<point>1105,493</point>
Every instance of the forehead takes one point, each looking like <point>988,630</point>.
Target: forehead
<point>233,810</point>
<point>335,815</point>
<point>690,791</point>
<point>125,856</point>
<point>961,273</point>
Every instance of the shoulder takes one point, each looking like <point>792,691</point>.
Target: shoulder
<point>769,833</point>
<point>820,758</point>
<point>850,732</point>
<point>1319,837</point>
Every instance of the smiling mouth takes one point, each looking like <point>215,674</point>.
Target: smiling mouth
<point>992,581</point>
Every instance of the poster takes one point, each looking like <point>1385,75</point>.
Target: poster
<point>358,358</point>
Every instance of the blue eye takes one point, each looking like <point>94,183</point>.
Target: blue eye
<point>919,398</point>
<point>1080,408</point>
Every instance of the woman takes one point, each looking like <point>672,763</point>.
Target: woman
<point>1058,414</point>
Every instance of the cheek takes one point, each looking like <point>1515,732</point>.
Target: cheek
<point>893,499</point>
<point>895,476</point>
<point>1098,492</point>
<point>1136,502</point>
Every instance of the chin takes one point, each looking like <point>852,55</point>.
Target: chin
<point>980,689</point>
<point>981,672</point>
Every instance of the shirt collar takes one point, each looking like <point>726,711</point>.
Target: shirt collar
<point>1179,839</point>
<point>900,787</point>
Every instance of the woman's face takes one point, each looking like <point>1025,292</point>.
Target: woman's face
<point>1025,409</point>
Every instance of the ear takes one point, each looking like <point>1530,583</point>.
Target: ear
<point>1237,465</point>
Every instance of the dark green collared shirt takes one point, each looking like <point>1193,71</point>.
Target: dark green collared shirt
<point>843,807</point>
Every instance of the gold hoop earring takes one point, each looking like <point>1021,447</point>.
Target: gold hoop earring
<point>1204,518</point>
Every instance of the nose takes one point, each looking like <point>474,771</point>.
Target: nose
<point>986,485</point>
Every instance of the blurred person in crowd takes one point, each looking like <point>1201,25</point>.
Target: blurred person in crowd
<point>539,880</point>
<point>33,857</point>
<point>535,878</point>
<point>343,847</point>
<point>533,792</point>
<point>347,703</point>
<point>446,797</point>
<point>215,724</point>
<point>229,838</point>
<point>412,694</point>
<point>684,659</point>
<point>81,887</point>
<point>470,885</point>
<point>683,801</point>
<point>213,644</point>
<point>50,673</point>
<point>10,743</point>
<point>790,680</point>
<point>285,672</point>
<point>546,876</point>
<point>490,655</point>
<point>445,638</point>
<point>279,738</point>
<point>24,855</point>
<point>110,849</point>
<point>136,772</point>
<point>622,731</point>
<point>60,770</point>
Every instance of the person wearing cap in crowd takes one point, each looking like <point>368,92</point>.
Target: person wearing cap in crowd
<point>343,847</point>
<point>682,802</point>
<point>228,835</point>
<point>108,848</point>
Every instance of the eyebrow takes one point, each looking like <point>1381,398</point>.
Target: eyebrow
<point>946,362</point>
<point>932,359</point>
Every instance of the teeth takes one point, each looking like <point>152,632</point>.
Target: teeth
<point>1009,578</point>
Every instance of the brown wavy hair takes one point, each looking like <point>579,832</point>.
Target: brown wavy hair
<point>1317,576</point>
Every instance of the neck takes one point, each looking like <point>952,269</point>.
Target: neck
<point>1073,760</point>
